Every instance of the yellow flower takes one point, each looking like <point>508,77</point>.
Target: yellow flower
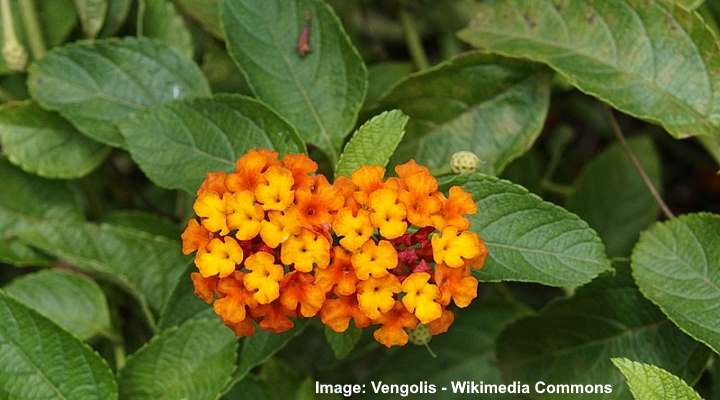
<point>210,207</point>
<point>374,259</point>
<point>243,214</point>
<point>421,297</point>
<point>354,229</point>
<point>264,277</point>
<point>279,226</point>
<point>451,247</point>
<point>305,251</point>
<point>219,258</point>
<point>276,193</point>
<point>376,295</point>
<point>388,214</point>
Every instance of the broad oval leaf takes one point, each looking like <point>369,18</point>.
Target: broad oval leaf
<point>183,305</point>
<point>206,13</point>
<point>177,144</point>
<point>343,343</point>
<point>492,106</point>
<point>628,53</point>
<point>572,340</point>
<point>151,223</point>
<point>158,19</point>
<point>74,302</point>
<point>92,15</point>
<point>258,348</point>
<point>117,13</point>
<point>148,266</point>
<point>39,360</point>
<point>531,240</point>
<point>97,84</point>
<point>43,143</point>
<point>677,266</point>
<point>612,197</point>
<point>193,361</point>
<point>648,382</point>
<point>321,92</point>
<point>373,143</point>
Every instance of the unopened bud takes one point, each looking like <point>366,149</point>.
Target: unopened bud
<point>464,162</point>
<point>15,55</point>
<point>420,335</point>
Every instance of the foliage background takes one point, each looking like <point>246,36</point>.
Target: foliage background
<point>124,105</point>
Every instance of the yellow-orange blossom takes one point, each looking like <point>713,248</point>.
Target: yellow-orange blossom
<point>275,241</point>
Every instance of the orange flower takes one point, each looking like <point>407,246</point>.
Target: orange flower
<point>458,204</point>
<point>336,314</point>
<point>301,167</point>
<point>210,207</point>
<point>456,284</point>
<point>453,248</point>
<point>394,322</point>
<point>442,324</point>
<point>279,226</point>
<point>231,306</point>
<point>276,190</point>
<point>354,228</point>
<point>204,287</point>
<point>367,179</point>
<point>194,237</point>
<point>420,199</point>
<point>220,258</point>
<point>421,297</point>
<point>376,295</point>
<point>388,214</point>
<point>374,259</point>
<point>273,317</point>
<point>249,169</point>
<point>411,168</point>
<point>242,328</point>
<point>339,276</point>
<point>264,277</point>
<point>243,214</point>
<point>305,251</point>
<point>347,189</point>
<point>214,182</point>
<point>317,202</point>
<point>298,288</point>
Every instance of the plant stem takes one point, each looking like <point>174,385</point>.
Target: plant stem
<point>557,188</point>
<point>412,38</point>
<point>32,28</point>
<point>628,151</point>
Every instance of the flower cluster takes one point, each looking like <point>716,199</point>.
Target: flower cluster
<point>275,241</point>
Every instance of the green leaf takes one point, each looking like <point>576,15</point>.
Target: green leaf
<point>97,84</point>
<point>628,53</point>
<point>612,197</point>
<point>648,382</point>
<point>320,93</point>
<point>145,221</point>
<point>221,72</point>
<point>688,4</point>
<point>159,20</point>
<point>531,240</point>
<point>373,143</point>
<point>492,106</point>
<point>42,361</point>
<point>677,266</point>
<point>177,144</point>
<point>258,348</point>
<point>206,13</point>
<point>15,253</point>
<point>381,77</point>
<point>74,302</point>
<point>92,15</point>
<point>117,13</point>
<point>27,199</point>
<point>193,361</point>
<point>43,143</point>
<point>572,340</point>
<point>343,343</point>
<point>147,266</point>
<point>465,352</point>
<point>183,305</point>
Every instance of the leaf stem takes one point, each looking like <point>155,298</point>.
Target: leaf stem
<point>32,28</point>
<point>412,38</point>
<point>628,151</point>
